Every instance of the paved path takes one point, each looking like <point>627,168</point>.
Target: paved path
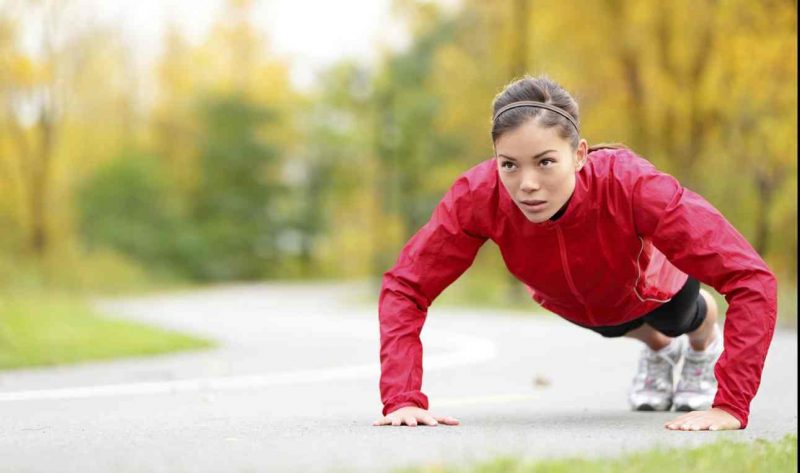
<point>294,388</point>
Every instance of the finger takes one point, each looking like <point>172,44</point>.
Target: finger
<point>397,421</point>
<point>671,423</point>
<point>676,426</point>
<point>382,421</point>
<point>411,422</point>
<point>692,423</point>
<point>448,420</point>
<point>429,421</point>
<point>698,420</point>
<point>703,423</point>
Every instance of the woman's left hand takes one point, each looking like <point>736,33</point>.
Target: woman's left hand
<point>712,419</point>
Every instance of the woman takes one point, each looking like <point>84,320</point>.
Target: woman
<point>602,238</point>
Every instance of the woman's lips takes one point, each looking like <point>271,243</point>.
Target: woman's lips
<point>532,205</point>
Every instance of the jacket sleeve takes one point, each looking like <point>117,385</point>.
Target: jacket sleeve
<point>430,261</point>
<point>699,241</point>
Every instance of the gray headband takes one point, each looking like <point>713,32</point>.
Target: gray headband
<point>528,103</point>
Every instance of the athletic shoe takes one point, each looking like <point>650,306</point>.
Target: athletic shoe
<point>697,385</point>
<point>653,384</point>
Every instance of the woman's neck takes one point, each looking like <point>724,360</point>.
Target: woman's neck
<point>561,211</point>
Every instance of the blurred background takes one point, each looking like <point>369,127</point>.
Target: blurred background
<point>151,145</point>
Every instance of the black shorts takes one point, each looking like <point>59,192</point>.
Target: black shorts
<point>684,313</point>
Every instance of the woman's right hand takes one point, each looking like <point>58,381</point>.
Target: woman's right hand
<point>411,415</point>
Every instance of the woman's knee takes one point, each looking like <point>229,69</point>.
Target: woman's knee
<point>711,305</point>
<point>648,333</point>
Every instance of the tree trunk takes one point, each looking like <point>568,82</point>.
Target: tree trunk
<point>765,186</point>
<point>40,184</point>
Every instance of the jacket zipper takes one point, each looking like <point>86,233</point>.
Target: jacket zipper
<point>568,275</point>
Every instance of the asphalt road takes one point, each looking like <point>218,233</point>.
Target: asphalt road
<point>294,387</point>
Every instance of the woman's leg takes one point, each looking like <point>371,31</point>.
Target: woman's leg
<point>652,386</point>
<point>654,339</point>
<point>703,335</point>
<point>698,384</point>
<point>699,339</point>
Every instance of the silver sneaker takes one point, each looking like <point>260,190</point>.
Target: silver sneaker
<point>653,384</point>
<point>698,385</point>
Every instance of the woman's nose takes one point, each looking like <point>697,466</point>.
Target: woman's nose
<point>530,182</point>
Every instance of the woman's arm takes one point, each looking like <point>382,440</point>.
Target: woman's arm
<point>699,241</point>
<point>431,260</point>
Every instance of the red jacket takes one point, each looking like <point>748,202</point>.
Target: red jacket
<point>628,239</point>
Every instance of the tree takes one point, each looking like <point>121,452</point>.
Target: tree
<point>233,210</point>
<point>72,76</point>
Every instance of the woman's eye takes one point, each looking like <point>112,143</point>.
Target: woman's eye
<point>507,164</point>
<point>550,161</point>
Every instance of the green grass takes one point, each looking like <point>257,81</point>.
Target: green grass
<point>723,456</point>
<point>52,329</point>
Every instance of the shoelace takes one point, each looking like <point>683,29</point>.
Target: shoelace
<point>657,368</point>
<point>694,372</point>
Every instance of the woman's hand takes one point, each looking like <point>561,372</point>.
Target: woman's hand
<point>712,419</point>
<point>411,415</point>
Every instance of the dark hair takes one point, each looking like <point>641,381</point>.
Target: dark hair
<point>539,89</point>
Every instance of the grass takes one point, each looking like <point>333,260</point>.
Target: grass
<point>45,321</point>
<point>54,329</point>
<point>722,456</point>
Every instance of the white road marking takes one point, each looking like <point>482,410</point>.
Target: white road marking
<point>469,349</point>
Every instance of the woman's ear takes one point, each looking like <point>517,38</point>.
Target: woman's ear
<point>581,154</point>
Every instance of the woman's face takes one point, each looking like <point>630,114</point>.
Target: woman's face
<point>537,168</point>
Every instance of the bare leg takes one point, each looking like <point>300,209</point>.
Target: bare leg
<point>704,334</point>
<point>654,339</point>
<point>699,339</point>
